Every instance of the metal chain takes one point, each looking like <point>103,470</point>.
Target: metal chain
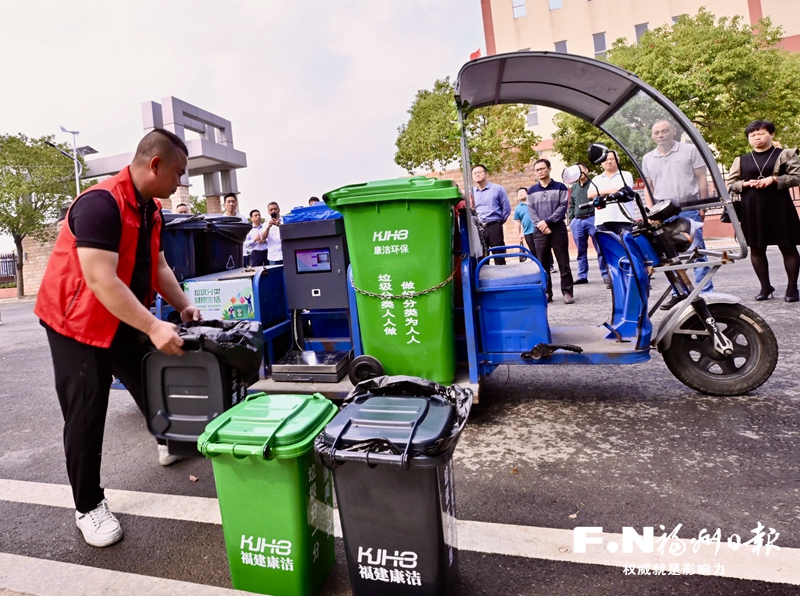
<point>404,295</point>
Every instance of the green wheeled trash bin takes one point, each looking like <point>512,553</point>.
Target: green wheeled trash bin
<point>276,501</point>
<point>400,237</point>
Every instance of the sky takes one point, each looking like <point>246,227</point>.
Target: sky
<point>315,90</point>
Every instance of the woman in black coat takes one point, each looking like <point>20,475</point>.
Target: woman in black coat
<point>763,178</point>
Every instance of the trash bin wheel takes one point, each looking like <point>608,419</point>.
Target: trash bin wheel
<point>363,368</point>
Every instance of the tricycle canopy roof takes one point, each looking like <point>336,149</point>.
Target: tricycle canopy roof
<point>581,86</point>
<point>612,99</point>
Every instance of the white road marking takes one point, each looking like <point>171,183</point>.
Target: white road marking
<point>42,577</point>
<point>781,565</point>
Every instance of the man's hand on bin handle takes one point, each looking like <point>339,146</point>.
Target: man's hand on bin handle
<point>165,337</point>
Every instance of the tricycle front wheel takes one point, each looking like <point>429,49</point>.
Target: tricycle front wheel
<point>694,361</point>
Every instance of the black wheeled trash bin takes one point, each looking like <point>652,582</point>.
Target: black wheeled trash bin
<point>183,394</point>
<point>220,247</point>
<point>397,507</point>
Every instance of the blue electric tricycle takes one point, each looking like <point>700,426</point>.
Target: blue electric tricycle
<point>710,342</point>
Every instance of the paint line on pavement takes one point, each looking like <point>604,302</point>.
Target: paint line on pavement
<point>42,577</point>
<point>193,509</point>
<point>782,565</point>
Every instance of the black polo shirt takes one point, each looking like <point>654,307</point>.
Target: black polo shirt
<point>96,222</point>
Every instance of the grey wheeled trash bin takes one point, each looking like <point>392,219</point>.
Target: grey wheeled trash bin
<point>397,507</point>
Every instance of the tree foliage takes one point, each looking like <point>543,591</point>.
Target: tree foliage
<point>35,181</point>
<point>198,204</point>
<point>430,140</point>
<point>721,73</point>
<point>573,137</point>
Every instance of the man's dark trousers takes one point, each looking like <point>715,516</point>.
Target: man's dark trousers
<point>258,258</point>
<point>558,240</point>
<point>83,379</point>
<point>493,236</point>
<point>529,240</point>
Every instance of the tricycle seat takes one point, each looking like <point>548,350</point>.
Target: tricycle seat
<point>513,273</point>
<point>512,304</point>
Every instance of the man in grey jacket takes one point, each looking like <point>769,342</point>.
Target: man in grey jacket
<point>547,206</point>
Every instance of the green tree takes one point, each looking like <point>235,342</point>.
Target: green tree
<point>721,73</point>
<point>35,181</point>
<point>198,204</point>
<point>573,136</point>
<point>430,140</point>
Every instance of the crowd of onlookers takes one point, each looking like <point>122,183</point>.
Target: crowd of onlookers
<point>548,211</point>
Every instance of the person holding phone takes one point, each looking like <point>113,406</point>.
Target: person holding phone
<point>274,250</point>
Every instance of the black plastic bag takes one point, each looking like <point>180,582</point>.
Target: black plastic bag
<point>403,386</point>
<point>239,344</point>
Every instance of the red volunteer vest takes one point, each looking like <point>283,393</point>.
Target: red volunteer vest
<point>65,303</point>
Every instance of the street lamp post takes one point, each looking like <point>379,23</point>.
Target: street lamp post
<point>74,134</point>
<point>76,151</point>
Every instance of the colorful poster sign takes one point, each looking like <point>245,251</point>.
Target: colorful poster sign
<point>231,299</point>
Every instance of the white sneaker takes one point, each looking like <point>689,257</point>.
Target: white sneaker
<point>165,458</point>
<point>99,526</point>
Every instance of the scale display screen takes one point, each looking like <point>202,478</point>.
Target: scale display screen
<point>315,260</point>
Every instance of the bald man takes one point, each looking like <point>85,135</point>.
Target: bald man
<point>94,305</point>
<point>676,171</point>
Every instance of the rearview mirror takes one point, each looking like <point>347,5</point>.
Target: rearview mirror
<point>598,153</point>
<point>571,174</point>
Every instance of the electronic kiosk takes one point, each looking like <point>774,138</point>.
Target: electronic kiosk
<point>315,264</point>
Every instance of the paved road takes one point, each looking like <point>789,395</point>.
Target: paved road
<point>548,447</point>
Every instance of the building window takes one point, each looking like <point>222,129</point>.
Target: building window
<point>675,19</point>
<point>561,47</point>
<point>641,29</point>
<point>533,116</point>
<point>556,4</point>
<point>599,45</point>
<point>519,8</point>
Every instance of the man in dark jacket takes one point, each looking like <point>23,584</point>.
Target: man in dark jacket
<point>547,207</point>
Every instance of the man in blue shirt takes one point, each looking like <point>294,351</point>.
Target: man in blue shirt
<point>581,223</point>
<point>492,208</point>
<point>523,222</point>
<point>547,207</point>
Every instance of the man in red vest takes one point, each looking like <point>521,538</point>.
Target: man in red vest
<point>94,304</point>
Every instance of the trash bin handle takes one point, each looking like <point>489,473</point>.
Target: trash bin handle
<point>404,458</point>
<point>336,440</point>
<point>267,446</point>
<point>378,457</point>
<point>235,449</point>
<point>368,457</point>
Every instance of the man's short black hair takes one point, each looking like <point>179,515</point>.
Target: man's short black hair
<point>544,161</point>
<point>580,163</point>
<point>759,125</point>
<point>230,194</point>
<point>181,205</point>
<point>254,211</point>
<point>480,165</point>
<point>159,142</point>
<point>273,203</point>
<point>522,188</point>
<point>313,200</point>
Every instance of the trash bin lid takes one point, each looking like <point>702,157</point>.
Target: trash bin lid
<point>183,221</point>
<point>230,227</point>
<point>399,189</point>
<point>268,426</point>
<point>393,419</point>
